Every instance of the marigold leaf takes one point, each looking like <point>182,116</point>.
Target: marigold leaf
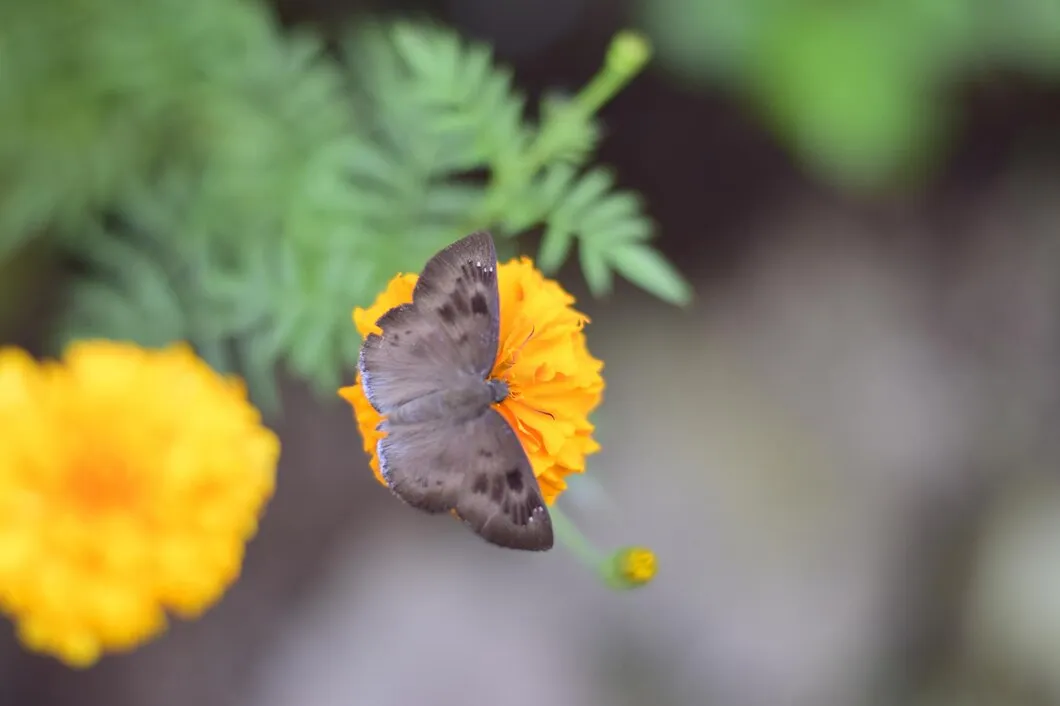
<point>258,367</point>
<point>555,247</point>
<point>632,230</point>
<point>567,134</point>
<point>616,213</point>
<point>645,267</point>
<point>585,192</point>
<point>215,352</point>
<point>450,202</point>
<point>597,273</point>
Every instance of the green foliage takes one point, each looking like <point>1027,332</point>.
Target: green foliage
<point>536,174</point>
<point>857,89</point>
<point>234,186</point>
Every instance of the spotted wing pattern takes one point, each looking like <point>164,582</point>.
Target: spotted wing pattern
<point>477,468</point>
<point>449,331</point>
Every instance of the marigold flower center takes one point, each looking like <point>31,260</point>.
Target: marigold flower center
<point>100,485</point>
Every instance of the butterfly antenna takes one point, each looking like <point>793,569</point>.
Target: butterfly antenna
<point>513,356</point>
<point>517,394</point>
<point>515,353</point>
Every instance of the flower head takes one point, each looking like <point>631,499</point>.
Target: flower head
<point>630,567</point>
<point>553,380</point>
<point>130,480</point>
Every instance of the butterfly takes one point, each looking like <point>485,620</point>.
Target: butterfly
<point>446,447</point>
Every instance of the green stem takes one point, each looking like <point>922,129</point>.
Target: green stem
<point>627,55</point>
<point>572,538</point>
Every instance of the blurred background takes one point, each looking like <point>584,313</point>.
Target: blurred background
<point>843,450</point>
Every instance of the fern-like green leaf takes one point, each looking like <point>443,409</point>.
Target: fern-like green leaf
<point>585,193</point>
<point>568,135</point>
<point>130,298</point>
<point>555,247</point>
<point>597,271</point>
<point>645,267</point>
<point>615,218</point>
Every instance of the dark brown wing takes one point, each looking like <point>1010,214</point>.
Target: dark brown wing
<point>477,468</point>
<point>449,330</point>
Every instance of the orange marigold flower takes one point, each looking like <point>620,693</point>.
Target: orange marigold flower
<point>553,380</point>
<point>130,480</point>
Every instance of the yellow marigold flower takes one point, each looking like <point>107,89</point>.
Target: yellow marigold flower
<point>554,382</point>
<point>130,480</point>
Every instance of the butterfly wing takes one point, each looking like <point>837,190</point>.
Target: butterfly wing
<point>501,499</point>
<point>449,330</point>
<point>477,468</point>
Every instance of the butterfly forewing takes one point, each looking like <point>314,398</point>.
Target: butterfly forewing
<point>459,286</point>
<point>449,332</point>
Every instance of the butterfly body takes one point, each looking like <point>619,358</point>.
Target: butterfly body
<point>462,402</point>
<point>446,447</point>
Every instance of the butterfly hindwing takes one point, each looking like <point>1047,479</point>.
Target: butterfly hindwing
<point>477,468</point>
<point>501,498</point>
